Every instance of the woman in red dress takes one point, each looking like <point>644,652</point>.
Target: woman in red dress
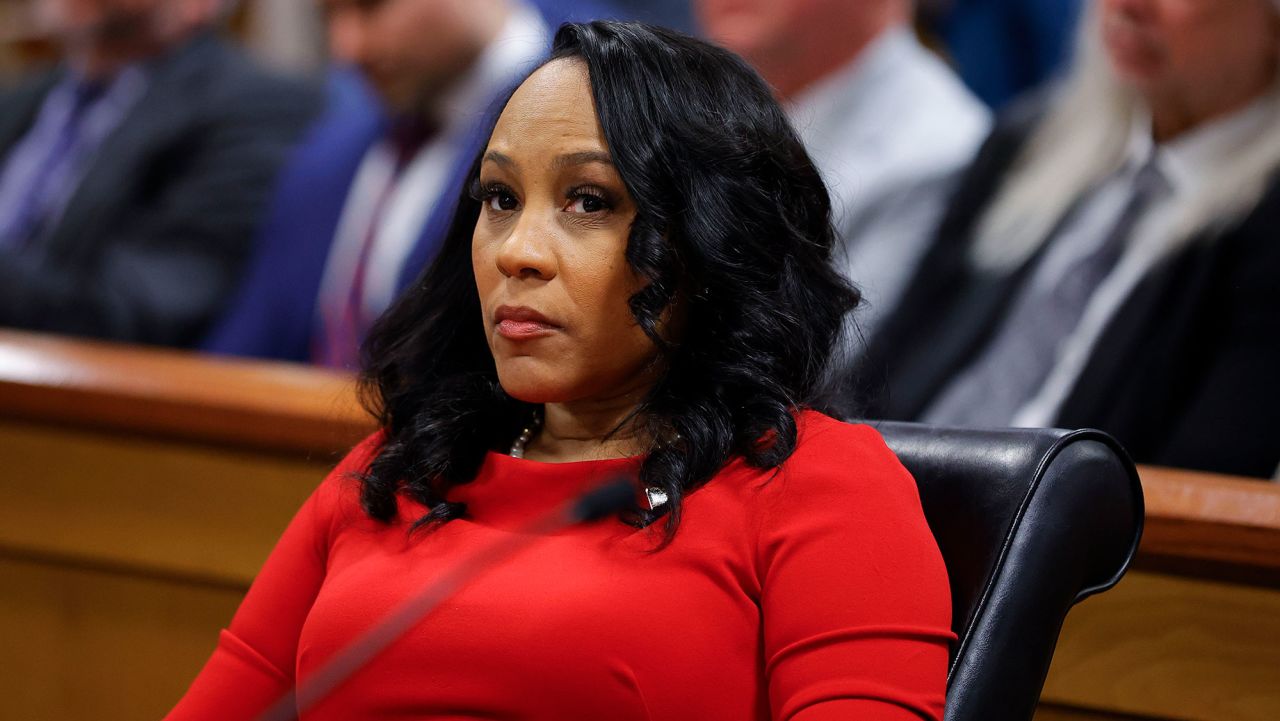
<point>637,284</point>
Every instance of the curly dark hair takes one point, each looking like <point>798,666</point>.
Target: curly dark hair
<point>731,216</point>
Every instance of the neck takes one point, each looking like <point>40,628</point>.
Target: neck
<point>1176,113</point>
<point>792,67</point>
<point>589,430</point>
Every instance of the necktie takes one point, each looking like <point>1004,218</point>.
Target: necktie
<point>1014,365</point>
<point>32,211</point>
<point>344,327</point>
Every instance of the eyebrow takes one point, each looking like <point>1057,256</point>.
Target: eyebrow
<point>496,157</point>
<point>562,161</point>
<point>582,158</point>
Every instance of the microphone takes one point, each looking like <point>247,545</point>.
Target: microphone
<point>600,502</point>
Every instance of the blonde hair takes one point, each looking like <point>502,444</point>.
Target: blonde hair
<point>1082,140</point>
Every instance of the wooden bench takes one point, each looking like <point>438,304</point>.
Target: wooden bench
<point>141,489</point>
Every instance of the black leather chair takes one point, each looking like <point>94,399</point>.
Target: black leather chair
<point>1030,521</point>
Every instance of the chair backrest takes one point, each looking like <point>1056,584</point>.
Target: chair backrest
<point>1029,521</point>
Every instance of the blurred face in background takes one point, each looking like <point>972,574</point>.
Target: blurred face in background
<point>101,36</point>
<point>795,42</point>
<point>411,51</point>
<point>141,21</point>
<point>1189,47</point>
<point>755,28</point>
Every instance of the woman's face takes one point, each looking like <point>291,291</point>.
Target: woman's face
<point>549,249</point>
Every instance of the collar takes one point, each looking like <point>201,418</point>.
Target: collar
<point>1184,160</point>
<point>865,76</point>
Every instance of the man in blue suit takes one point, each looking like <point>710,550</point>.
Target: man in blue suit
<point>363,204</point>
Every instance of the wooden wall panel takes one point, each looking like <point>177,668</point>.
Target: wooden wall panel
<point>163,507</point>
<point>82,644</point>
<point>1172,648</point>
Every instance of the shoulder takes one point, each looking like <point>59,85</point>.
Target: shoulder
<point>227,83</point>
<point>827,444</point>
<point>840,468</point>
<point>351,121</point>
<point>925,127</point>
<point>337,499</point>
<point>20,100</point>
<point>934,114</point>
<point>843,505</point>
<point>29,89</point>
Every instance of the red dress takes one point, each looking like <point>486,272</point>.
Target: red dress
<point>818,594</point>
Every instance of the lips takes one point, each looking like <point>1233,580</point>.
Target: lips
<point>522,323</point>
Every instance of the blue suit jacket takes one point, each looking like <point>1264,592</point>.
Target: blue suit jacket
<point>274,314</point>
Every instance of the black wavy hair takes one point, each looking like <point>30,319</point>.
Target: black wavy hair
<point>731,215</point>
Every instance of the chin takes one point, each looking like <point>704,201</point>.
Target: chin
<point>531,394</point>
<point>1140,80</point>
<point>529,386</point>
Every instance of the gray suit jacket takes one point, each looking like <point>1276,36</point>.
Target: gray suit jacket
<point>153,239</point>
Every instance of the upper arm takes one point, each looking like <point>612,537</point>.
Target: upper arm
<point>855,599</point>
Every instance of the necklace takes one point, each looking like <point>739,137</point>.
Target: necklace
<point>517,446</point>
<point>654,495</point>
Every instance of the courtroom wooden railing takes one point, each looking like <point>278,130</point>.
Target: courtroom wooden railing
<point>1197,523</point>
<point>173,394</point>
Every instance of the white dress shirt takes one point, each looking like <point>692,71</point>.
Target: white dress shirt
<point>889,132</point>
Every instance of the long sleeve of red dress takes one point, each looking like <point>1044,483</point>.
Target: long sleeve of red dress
<point>813,594</point>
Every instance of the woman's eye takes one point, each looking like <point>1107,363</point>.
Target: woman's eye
<point>585,203</point>
<point>501,200</point>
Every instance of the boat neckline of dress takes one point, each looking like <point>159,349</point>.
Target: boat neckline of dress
<point>500,457</point>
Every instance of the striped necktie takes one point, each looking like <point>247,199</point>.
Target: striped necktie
<point>33,210</point>
<point>1014,365</point>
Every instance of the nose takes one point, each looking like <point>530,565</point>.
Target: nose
<point>527,251</point>
<point>348,36</point>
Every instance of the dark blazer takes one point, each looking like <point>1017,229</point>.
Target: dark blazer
<point>1185,374</point>
<point>155,235</point>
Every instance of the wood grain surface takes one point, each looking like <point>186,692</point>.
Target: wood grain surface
<point>281,407</point>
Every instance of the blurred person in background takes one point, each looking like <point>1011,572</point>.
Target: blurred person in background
<point>132,176</point>
<point>1002,48</point>
<point>889,125</point>
<point>364,202</point>
<point>1111,258</point>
